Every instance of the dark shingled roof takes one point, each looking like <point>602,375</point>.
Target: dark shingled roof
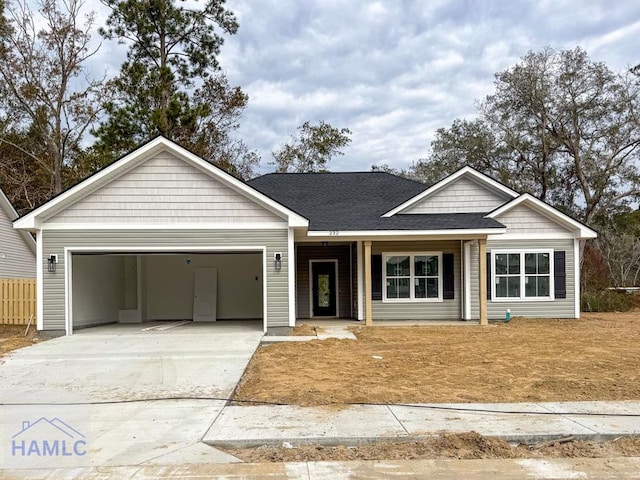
<point>356,201</point>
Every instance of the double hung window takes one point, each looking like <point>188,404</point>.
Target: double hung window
<point>525,275</point>
<point>412,276</point>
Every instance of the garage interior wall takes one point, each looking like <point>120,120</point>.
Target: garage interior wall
<point>103,285</point>
<point>98,289</point>
<point>168,282</point>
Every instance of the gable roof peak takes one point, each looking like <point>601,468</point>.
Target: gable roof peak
<point>32,220</point>
<point>468,171</point>
<point>584,232</point>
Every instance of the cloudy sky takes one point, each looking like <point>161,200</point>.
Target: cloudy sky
<point>394,71</point>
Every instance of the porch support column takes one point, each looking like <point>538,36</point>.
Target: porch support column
<point>368,314</point>
<point>360,270</point>
<point>482,279</point>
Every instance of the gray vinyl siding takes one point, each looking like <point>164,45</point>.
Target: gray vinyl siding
<point>445,310</point>
<point>305,253</point>
<point>522,219</point>
<point>165,189</point>
<point>559,308</point>
<point>17,260</point>
<point>460,196</point>
<point>55,241</point>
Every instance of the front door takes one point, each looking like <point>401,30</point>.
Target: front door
<point>323,290</point>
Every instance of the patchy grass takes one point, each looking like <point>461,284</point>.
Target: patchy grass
<point>526,360</point>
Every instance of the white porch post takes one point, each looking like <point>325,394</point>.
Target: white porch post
<point>466,315</point>
<point>576,277</point>
<point>368,314</point>
<point>360,276</point>
<point>482,280</point>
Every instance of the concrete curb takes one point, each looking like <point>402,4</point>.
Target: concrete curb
<point>244,426</point>
<point>267,339</point>
<point>360,441</point>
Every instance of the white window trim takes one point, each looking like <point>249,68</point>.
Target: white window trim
<point>522,297</point>
<point>411,278</point>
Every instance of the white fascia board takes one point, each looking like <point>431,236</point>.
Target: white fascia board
<point>168,249</point>
<point>584,232</point>
<point>443,183</point>
<point>167,226</point>
<point>11,213</point>
<point>31,220</point>
<point>400,233</point>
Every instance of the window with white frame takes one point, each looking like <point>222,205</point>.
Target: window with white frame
<point>525,275</point>
<point>412,276</point>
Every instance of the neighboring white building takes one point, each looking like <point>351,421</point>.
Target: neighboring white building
<point>17,248</point>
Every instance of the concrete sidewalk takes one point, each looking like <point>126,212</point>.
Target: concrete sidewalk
<point>246,426</point>
<point>502,469</point>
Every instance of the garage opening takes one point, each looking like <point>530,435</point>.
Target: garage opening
<point>140,287</point>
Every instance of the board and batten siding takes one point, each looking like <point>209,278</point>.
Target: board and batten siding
<point>55,241</point>
<point>461,196</point>
<point>17,260</point>
<point>558,308</point>
<point>445,310</point>
<point>331,252</point>
<point>164,189</point>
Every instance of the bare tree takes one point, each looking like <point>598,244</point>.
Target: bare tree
<point>559,126</point>
<point>46,89</point>
<point>312,148</point>
<point>621,252</point>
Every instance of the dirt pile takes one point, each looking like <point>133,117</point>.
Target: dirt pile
<point>12,337</point>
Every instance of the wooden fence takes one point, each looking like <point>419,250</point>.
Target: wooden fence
<point>17,301</point>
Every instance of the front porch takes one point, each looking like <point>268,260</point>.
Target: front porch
<point>409,281</point>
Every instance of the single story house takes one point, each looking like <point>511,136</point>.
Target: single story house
<point>163,234</point>
<point>17,248</point>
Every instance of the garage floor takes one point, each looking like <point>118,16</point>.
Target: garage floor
<point>139,397</point>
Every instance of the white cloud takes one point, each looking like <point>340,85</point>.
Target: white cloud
<point>393,72</point>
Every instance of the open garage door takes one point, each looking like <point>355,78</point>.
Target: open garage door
<point>143,286</point>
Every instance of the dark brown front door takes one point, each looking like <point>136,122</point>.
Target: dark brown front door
<point>323,279</point>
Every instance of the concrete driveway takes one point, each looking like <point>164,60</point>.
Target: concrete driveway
<point>121,395</point>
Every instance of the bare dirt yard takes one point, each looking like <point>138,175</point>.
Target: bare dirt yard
<point>463,446</point>
<point>306,330</point>
<point>532,360</point>
<point>12,337</point>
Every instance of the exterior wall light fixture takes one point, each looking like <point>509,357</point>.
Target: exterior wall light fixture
<point>52,261</point>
